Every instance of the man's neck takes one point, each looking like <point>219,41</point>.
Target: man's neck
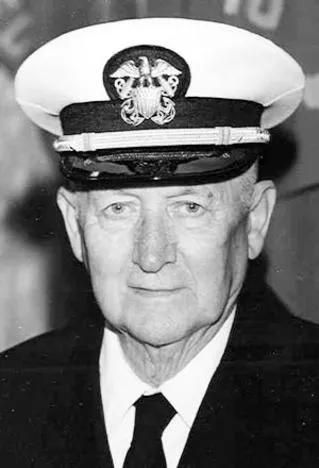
<point>155,365</point>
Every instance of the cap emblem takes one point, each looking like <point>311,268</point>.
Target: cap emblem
<point>146,83</point>
<point>146,90</point>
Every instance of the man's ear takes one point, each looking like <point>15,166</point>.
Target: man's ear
<point>263,202</point>
<point>67,203</point>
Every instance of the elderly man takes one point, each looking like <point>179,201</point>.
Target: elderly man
<point>161,123</point>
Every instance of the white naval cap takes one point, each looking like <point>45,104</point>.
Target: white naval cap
<point>158,98</point>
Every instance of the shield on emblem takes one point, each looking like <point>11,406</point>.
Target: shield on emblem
<point>147,100</point>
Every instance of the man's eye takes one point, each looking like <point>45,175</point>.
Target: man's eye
<point>189,209</point>
<point>193,207</point>
<point>116,209</point>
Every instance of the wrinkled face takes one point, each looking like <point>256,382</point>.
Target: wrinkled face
<point>165,262</point>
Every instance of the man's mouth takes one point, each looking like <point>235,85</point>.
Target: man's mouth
<point>156,292</point>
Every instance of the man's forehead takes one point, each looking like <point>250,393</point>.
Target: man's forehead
<point>162,192</point>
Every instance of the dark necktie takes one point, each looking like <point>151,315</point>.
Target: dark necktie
<point>153,413</point>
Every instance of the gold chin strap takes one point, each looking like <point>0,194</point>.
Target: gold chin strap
<point>217,136</point>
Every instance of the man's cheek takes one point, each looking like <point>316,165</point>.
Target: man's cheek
<point>108,258</point>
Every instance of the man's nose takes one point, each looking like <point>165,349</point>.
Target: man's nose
<point>154,245</point>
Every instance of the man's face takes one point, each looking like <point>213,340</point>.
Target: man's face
<point>165,262</point>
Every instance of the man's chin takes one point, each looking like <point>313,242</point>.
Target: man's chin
<point>156,333</point>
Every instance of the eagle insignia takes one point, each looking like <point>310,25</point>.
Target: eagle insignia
<point>147,85</point>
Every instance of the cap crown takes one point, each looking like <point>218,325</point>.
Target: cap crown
<point>224,62</point>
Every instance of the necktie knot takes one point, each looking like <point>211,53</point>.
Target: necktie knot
<point>153,414</point>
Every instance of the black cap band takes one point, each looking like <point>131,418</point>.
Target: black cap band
<point>105,116</point>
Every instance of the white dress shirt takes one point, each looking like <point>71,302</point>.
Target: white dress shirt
<point>120,388</point>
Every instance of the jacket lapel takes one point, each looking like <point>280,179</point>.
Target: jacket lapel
<point>212,440</point>
<point>76,425</point>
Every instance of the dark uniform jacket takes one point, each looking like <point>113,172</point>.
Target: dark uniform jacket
<point>261,408</point>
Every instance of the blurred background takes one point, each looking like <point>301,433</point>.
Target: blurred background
<point>41,285</point>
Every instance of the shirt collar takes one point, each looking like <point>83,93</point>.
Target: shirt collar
<point>186,390</point>
<point>121,387</point>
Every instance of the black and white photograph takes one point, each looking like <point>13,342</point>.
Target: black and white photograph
<point>159,234</point>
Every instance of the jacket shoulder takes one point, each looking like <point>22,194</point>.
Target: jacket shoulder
<point>52,349</point>
<point>268,318</point>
